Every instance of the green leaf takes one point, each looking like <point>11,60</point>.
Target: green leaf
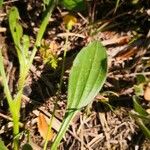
<point>2,146</point>
<point>143,127</point>
<point>46,2</point>
<point>15,27</point>
<point>26,44</point>
<point>27,147</point>
<point>16,32</point>
<point>77,5</point>
<point>142,117</point>
<point>48,12</point>
<point>1,3</point>
<point>136,116</point>
<point>137,107</point>
<point>4,79</point>
<point>140,79</point>
<point>87,77</point>
<point>139,90</point>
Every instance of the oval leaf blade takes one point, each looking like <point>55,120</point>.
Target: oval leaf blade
<point>76,5</point>
<point>87,75</point>
<point>2,145</point>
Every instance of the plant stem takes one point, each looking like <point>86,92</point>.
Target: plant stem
<point>49,127</point>
<point>15,104</point>
<point>15,142</point>
<point>48,13</point>
<point>61,80</point>
<point>65,124</point>
<point>15,111</point>
<point>42,29</point>
<point>15,133</point>
<point>4,81</point>
<point>64,60</point>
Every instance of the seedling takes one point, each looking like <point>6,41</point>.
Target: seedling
<point>48,54</point>
<point>141,116</point>
<point>86,78</point>
<point>22,43</point>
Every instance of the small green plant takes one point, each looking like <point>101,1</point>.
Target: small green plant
<point>22,44</point>
<point>86,78</point>
<point>48,54</point>
<point>141,116</point>
<point>69,21</point>
<point>2,146</point>
<point>91,63</point>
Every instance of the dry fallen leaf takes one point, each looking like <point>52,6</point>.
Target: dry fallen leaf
<point>43,127</point>
<point>118,41</point>
<point>126,54</point>
<point>147,92</point>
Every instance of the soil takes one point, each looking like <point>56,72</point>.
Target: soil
<point>107,123</point>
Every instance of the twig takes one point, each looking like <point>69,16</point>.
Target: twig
<point>138,73</point>
<point>11,1</point>
<point>10,119</point>
<point>6,117</point>
<point>2,29</point>
<point>70,34</point>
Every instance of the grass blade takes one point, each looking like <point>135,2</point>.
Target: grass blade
<point>2,146</point>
